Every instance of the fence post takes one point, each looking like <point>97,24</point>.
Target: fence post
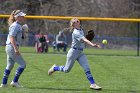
<point>138,39</point>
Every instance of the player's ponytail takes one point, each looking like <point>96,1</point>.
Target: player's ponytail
<point>71,29</point>
<point>12,18</point>
<point>71,25</point>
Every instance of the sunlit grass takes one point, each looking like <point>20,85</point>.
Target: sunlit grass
<point>115,74</point>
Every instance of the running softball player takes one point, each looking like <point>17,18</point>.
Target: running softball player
<point>76,53</point>
<point>12,48</point>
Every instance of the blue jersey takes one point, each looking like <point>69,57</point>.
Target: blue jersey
<point>15,30</point>
<point>77,35</point>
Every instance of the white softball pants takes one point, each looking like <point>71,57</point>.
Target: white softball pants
<point>12,58</point>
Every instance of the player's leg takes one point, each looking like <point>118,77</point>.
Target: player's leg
<point>9,67</point>
<point>66,68</point>
<point>71,57</point>
<point>69,64</point>
<point>84,63</point>
<point>20,69</point>
<point>54,45</point>
<point>65,47</point>
<point>46,47</point>
<point>42,46</point>
<point>58,47</point>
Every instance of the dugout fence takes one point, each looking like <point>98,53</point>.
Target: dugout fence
<point>103,28</point>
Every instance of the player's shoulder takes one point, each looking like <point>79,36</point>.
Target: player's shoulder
<point>15,25</point>
<point>76,31</point>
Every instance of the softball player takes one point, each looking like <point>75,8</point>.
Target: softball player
<point>76,53</point>
<point>12,48</point>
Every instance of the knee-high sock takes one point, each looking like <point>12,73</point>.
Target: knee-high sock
<point>90,77</point>
<point>5,76</point>
<point>18,73</point>
<point>58,68</point>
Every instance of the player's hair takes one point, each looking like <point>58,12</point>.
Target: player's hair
<point>72,21</point>
<point>71,25</point>
<point>12,18</point>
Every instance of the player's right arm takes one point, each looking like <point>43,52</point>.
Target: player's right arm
<point>90,43</point>
<point>12,35</point>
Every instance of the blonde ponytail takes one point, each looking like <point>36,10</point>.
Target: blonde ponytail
<point>71,25</point>
<point>71,28</point>
<point>12,18</point>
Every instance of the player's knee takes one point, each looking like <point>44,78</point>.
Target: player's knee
<point>66,70</point>
<point>10,66</point>
<point>87,69</point>
<point>23,65</point>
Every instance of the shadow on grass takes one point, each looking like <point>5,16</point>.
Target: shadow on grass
<point>89,90</point>
<point>64,89</point>
<point>121,91</point>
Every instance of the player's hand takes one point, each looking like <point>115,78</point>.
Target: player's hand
<point>99,46</point>
<point>17,52</point>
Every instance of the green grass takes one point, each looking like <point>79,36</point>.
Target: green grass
<point>89,51</point>
<point>115,74</point>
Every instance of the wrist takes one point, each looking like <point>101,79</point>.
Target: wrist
<point>95,45</point>
<point>16,50</point>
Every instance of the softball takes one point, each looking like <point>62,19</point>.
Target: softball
<point>104,41</point>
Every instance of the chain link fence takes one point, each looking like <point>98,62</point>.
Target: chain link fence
<point>113,42</point>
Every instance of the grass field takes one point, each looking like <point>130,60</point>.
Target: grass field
<point>114,73</point>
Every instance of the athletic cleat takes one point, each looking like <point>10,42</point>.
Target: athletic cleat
<point>51,70</point>
<point>95,87</point>
<point>3,85</point>
<point>16,84</point>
